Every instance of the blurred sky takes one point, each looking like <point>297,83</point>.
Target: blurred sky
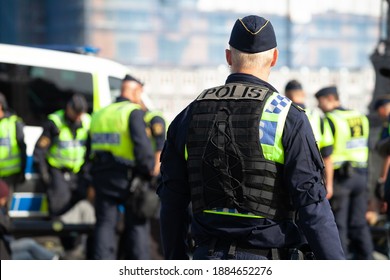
<point>301,10</point>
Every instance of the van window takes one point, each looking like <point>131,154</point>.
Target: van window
<point>115,87</point>
<point>34,92</point>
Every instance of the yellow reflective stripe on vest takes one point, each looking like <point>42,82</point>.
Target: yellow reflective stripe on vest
<point>185,152</point>
<point>232,212</point>
<point>271,127</point>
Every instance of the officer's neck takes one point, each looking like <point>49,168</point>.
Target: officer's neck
<point>262,74</point>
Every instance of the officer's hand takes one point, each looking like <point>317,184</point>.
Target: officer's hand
<point>329,190</point>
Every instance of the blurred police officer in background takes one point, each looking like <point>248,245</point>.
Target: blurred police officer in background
<point>321,129</point>
<point>121,151</point>
<point>246,159</point>
<point>382,191</point>
<point>12,146</point>
<point>350,130</point>
<point>156,130</point>
<point>60,155</point>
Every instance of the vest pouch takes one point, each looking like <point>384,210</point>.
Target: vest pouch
<point>143,202</point>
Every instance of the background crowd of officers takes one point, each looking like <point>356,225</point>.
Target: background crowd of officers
<point>108,160</point>
<point>110,157</point>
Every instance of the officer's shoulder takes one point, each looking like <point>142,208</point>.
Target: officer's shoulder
<point>299,108</point>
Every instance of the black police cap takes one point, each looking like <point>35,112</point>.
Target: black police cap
<point>327,91</point>
<point>78,103</point>
<point>252,34</point>
<point>381,100</point>
<point>293,85</point>
<point>131,78</point>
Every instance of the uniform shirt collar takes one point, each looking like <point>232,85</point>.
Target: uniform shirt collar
<point>247,78</point>
<point>121,98</point>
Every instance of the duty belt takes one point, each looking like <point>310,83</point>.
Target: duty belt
<point>234,246</point>
<point>269,253</point>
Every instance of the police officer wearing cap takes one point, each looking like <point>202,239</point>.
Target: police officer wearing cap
<point>246,159</point>
<point>121,151</point>
<point>350,130</point>
<point>60,155</point>
<point>12,146</point>
<point>321,129</point>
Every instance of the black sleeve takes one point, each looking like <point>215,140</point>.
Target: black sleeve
<point>143,152</point>
<point>21,143</point>
<point>158,128</point>
<point>48,136</point>
<point>303,170</point>
<point>332,127</point>
<point>85,170</point>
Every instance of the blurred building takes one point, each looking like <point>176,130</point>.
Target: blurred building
<point>180,33</point>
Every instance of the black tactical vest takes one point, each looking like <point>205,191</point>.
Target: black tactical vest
<point>226,165</point>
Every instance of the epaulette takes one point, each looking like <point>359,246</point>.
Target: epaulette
<point>298,107</point>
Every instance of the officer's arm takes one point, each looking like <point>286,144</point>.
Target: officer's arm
<point>303,176</point>
<point>158,132</point>
<point>46,139</point>
<point>86,167</point>
<point>21,143</point>
<point>174,193</point>
<point>143,151</point>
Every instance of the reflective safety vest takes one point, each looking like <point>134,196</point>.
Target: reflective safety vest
<point>10,161</point>
<point>68,151</point>
<point>235,154</point>
<point>350,139</point>
<point>149,115</point>
<point>321,129</point>
<point>110,131</point>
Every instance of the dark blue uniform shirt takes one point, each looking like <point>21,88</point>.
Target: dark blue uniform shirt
<point>302,176</point>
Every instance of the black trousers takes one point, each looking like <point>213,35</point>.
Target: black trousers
<point>349,205</point>
<point>61,191</point>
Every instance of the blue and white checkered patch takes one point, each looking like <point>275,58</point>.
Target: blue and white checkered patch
<point>277,104</point>
<point>267,131</point>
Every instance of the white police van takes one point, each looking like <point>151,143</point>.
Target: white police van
<point>37,82</point>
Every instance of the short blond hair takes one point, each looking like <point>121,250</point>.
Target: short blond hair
<point>241,60</point>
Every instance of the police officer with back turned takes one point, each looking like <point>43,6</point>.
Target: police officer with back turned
<point>246,159</point>
<point>350,130</point>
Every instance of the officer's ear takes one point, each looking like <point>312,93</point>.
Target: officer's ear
<point>228,55</point>
<point>275,57</point>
